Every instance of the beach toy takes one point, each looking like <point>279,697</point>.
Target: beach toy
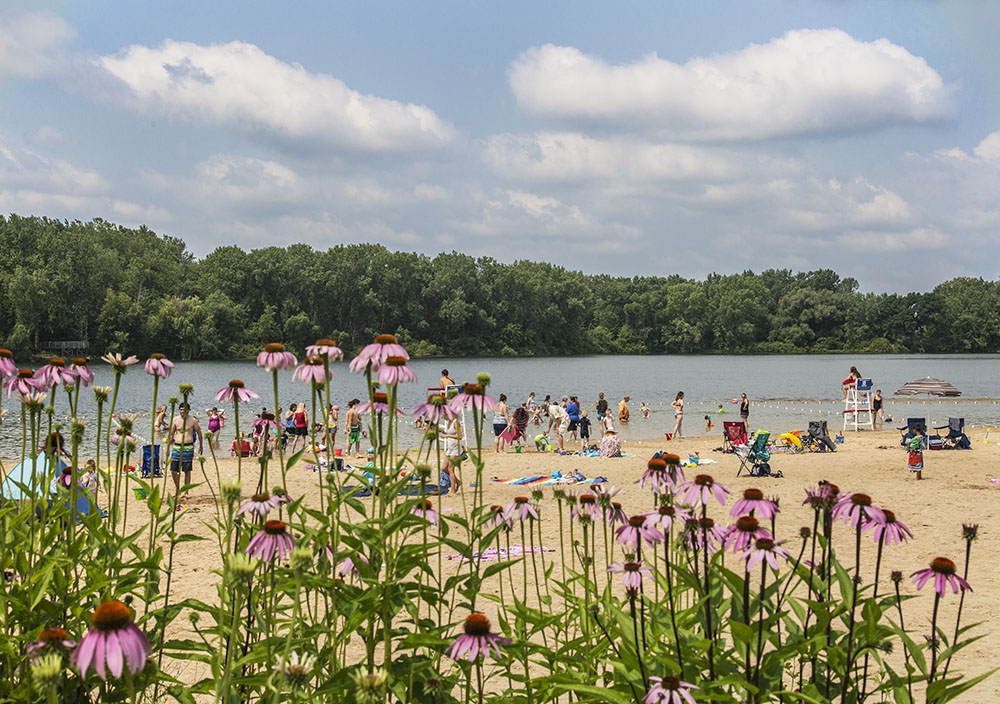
<point>987,436</point>
<point>139,493</point>
<point>548,448</point>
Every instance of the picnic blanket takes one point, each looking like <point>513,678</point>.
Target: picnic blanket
<point>556,477</point>
<point>516,550</point>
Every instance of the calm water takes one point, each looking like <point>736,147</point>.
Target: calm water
<point>786,391</point>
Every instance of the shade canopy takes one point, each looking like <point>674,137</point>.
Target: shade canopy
<point>928,385</point>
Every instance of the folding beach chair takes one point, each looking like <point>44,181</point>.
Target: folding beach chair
<point>734,434</point>
<point>150,461</point>
<point>754,457</point>
<point>907,430</point>
<point>956,434</point>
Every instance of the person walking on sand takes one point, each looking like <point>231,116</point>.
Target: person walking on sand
<point>452,437</point>
<point>678,406</point>
<point>501,421</point>
<point>183,431</point>
<point>623,410</point>
<point>300,426</point>
<point>353,426</point>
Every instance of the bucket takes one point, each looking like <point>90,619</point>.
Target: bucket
<point>338,453</point>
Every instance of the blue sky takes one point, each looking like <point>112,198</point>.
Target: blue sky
<point>625,138</point>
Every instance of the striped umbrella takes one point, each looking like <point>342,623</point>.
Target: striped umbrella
<point>929,386</point>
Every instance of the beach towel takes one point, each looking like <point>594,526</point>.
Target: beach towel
<point>516,550</point>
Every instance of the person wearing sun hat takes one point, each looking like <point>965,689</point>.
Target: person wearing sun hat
<point>611,444</point>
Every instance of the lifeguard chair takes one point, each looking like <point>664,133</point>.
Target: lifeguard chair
<point>858,406</point>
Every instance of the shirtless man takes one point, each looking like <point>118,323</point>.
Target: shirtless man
<point>623,413</point>
<point>183,430</point>
<point>353,426</point>
<point>445,381</point>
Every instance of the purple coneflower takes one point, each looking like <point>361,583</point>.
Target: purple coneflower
<point>472,397</point>
<point>53,374</point>
<point>325,347</point>
<point>943,571</point>
<point>258,505</point>
<point>587,507</point>
<point>425,509</point>
<point>49,638</point>
<point>700,489</point>
<point>7,366</point>
<point>631,572</point>
<point>394,371</point>
<point>114,640</point>
<point>275,357</point>
<point>435,410</point>
<point>753,500</point>
<point>632,533</point>
<point>82,369</point>
<point>118,363</point>
<point>375,354</point>
<point>669,690</point>
<point>348,567</point>
<point>699,530</point>
<point>520,509</point>
<point>765,549</point>
<point>23,383</point>
<point>379,404</point>
<point>273,537</point>
<point>476,640</point>
<point>498,517</point>
<point>606,492</point>
<point>857,508</point>
<point>615,515</point>
<point>236,391</point>
<point>159,365</point>
<point>665,515</point>
<point>894,531</point>
<point>822,497</point>
<point>312,370</point>
<point>743,533</point>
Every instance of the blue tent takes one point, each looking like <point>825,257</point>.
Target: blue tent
<point>21,474</point>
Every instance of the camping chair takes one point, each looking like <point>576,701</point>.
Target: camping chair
<point>150,461</point>
<point>956,434</point>
<point>734,434</point>
<point>755,454</point>
<point>908,433</point>
<point>821,437</point>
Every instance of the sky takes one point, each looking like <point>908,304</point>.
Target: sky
<point>639,138</point>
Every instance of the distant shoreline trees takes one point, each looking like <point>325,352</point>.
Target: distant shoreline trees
<point>130,290</point>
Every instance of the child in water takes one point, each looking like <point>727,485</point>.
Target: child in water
<point>645,409</point>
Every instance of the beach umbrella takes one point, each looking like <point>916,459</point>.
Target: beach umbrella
<point>929,386</point>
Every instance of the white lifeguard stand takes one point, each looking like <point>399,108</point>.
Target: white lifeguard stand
<point>858,406</point>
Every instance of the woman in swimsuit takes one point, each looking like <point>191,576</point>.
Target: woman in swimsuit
<point>678,406</point>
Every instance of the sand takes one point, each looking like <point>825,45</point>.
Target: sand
<point>955,490</point>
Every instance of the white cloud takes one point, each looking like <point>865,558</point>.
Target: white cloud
<point>989,148</point>
<point>873,241</point>
<point>805,82</point>
<point>30,42</point>
<point>47,136</point>
<point>237,84</point>
<point>28,170</point>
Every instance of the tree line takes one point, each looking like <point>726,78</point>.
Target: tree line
<point>131,290</point>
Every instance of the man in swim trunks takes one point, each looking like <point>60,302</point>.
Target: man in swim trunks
<point>183,430</point>
<point>353,426</point>
<point>623,413</point>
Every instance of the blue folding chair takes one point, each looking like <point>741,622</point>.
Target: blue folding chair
<point>908,432</point>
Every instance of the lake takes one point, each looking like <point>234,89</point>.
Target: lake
<point>786,391</point>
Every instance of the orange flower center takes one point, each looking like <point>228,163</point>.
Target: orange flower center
<point>236,384</point>
<point>656,464</point>
<point>670,683</point>
<point>157,355</point>
<point>706,523</point>
<point>477,624</point>
<point>636,521</point>
<point>274,528</point>
<point>378,397</point>
<point>111,615</point>
<point>472,389</point>
<point>274,347</point>
<point>747,524</point>
<point>386,340</point>
<point>7,354</point>
<point>631,566</point>
<point>890,517</point>
<point>942,565</point>
<point>753,494</point>
<point>861,500</point>
<point>56,362</point>
<point>765,544</point>
<point>25,374</point>
<point>53,634</point>
<point>671,459</point>
<point>704,480</point>
<point>395,361</point>
<point>588,499</point>
<point>667,511</point>
<point>80,362</point>
<point>260,498</point>
<point>325,343</point>
<point>520,499</point>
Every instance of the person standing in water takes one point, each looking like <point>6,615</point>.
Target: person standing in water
<point>183,431</point>
<point>623,410</point>
<point>678,406</point>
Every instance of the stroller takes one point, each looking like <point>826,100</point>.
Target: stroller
<point>734,434</point>
<point>956,434</point>
<point>754,457</point>
<point>821,440</point>
<point>908,433</point>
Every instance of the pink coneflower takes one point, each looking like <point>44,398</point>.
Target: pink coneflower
<point>83,372</point>
<point>325,347</point>
<point>425,509</point>
<point>743,533</point>
<point>765,549</point>
<point>823,497</point>
<point>394,371</point>
<point>498,517</point>
<point>702,533</point>
<point>348,567</point>
<point>435,410</point>
<point>114,639</point>
<point>385,346</point>
<point>49,638</point>
<point>669,690</point>
<point>53,374</point>
<point>312,370</point>
<point>615,515</point>
<point>258,505</point>
<point>275,357</point>
<point>118,363</point>
<point>753,500</point>
<point>235,392</point>
<point>631,572</point>
<point>520,509</point>
<point>473,397</point>
<point>476,640</point>
<point>7,366</point>
<point>662,474</point>
<point>632,533</point>
<point>379,404</point>
<point>273,537</point>
<point>943,571</point>
<point>894,531</point>
<point>159,365</point>
<point>23,383</point>
<point>700,489</point>
<point>857,508</point>
<point>587,508</point>
<point>665,516</point>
